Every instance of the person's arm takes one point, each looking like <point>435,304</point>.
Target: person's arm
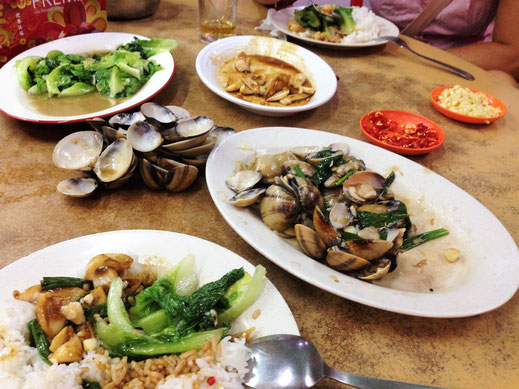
<point>503,52</point>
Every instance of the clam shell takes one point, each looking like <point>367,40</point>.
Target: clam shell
<point>369,249</point>
<point>78,151</point>
<point>115,161</point>
<point>218,133</point>
<point>343,261</point>
<point>205,148</point>
<point>243,180</point>
<point>186,143</point>
<point>125,119</point>
<point>309,241</point>
<point>194,126</point>
<point>247,197</point>
<point>77,187</point>
<point>324,229</point>
<point>158,115</point>
<point>179,112</point>
<point>278,208</point>
<point>144,137</point>
<point>97,123</point>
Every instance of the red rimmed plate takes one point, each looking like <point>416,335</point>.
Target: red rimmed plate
<point>14,102</point>
<point>402,118</point>
<point>494,102</point>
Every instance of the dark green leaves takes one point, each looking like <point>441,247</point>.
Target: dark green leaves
<point>62,282</point>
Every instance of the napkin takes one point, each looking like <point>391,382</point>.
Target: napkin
<point>267,25</point>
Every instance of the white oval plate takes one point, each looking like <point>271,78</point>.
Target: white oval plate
<point>13,102</point>
<point>69,258</point>
<point>490,256</point>
<point>213,56</point>
<point>281,18</point>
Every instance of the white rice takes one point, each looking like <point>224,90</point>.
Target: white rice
<point>366,28</point>
<point>22,368</point>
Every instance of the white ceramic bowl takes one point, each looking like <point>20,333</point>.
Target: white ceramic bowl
<point>214,55</point>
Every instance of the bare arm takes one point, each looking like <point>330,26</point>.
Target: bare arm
<point>503,52</point>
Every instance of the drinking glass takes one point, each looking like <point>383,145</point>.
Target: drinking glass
<point>217,19</point>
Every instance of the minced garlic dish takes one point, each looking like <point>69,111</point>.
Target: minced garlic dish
<point>464,101</point>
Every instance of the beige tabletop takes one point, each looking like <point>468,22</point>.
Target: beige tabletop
<point>475,352</point>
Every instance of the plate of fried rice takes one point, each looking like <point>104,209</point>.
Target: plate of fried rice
<point>148,257</point>
<point>368,28</point>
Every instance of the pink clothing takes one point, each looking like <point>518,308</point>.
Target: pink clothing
<point>459,23</point>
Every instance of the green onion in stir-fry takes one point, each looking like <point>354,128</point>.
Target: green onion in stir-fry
<point>413,241</point>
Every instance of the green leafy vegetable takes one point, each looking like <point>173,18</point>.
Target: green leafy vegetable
<point>119,73</point>
<point>324,168</point>
<point>413,241</point>
<point>347,25</point>
<point>39,340</point>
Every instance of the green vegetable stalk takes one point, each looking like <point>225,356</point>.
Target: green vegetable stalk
<point>413,241</point>
<point>39,339</point>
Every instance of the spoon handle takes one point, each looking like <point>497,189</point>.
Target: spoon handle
<point>361,382</point>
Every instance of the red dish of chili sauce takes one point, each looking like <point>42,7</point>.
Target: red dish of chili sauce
<point>402,132</point>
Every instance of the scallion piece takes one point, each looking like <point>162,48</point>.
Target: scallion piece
<point>49,283</point>
<point>413,241</point>
<point>40,340</point>
<point>345,177</point>
<point>299,172</point>
<point>389,179</point>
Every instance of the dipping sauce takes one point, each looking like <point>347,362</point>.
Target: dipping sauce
<point>265,80</point>
<point>414,136</point>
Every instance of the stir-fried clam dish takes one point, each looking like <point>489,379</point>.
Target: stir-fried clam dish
<point>265,80</point>
<point>338,211</point>
<point>167,144</point>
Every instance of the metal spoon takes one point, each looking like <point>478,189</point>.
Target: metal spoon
<point>289,361</point>
<point>333,15</point>
<point>403,44</point>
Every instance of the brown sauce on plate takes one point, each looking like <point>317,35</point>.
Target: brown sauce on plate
<point>71,105</point>
<point>265,68</point>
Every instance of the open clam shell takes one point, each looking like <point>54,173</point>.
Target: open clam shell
<point>247,197</point>
<point>243,180</point>
<point>125,120</point>
<point>112,134</point>
<point>158,115</point>
<point>309,241</point>
<point>179,112</point>
<point>186,143</point>
<point>77,187</point>
<point>97,123</point>
<point>115,161</point>
<point>204,148</point>
<point>343,261</point>
<point>194,126</point>
<point>219,133</point>
<point>144,137</point>
<point>78,151</point>
<point>198,161</point>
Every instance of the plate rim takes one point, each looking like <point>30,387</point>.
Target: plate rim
<point>393,294</point>
<point>286,31</point>
<point>75,119</point>
<point>206,51</point>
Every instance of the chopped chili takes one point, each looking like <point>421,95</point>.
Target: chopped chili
<point>211,381</point>
<point>408,135</point>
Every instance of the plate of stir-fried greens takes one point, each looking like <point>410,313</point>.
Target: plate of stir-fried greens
<point>117,71</point>
<point>334,26</point>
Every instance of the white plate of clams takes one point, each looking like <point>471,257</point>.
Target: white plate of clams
<point>18,104</point>
<point>425,282</point>
<point>320,76</point>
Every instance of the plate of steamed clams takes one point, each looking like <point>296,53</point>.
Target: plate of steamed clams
<point>362,222</point>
